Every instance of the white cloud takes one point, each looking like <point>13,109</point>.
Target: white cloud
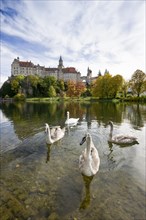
<point>99,34</point>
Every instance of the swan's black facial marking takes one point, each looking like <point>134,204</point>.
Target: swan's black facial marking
<point>46,130</point>
<point>83,140</point>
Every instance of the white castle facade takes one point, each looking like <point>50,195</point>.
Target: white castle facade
<point>28,68</point>
<point>60,73</point>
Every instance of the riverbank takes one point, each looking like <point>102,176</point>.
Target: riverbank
<point>141,99</point>
<point>87,99</point>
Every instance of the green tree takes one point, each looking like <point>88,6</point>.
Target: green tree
<point>30,85</point>
<point>107,86</point>
<point>16,83</point>
<point>6,89</point>
<point>50,81</point>
<point>137,82</point>
<point>96,89</point>
<point>115,85</point>
<point>102,86</point>
<point>51,92</point>
<point>60,87</point>
<point>124,87</point>
<point>46,83</point>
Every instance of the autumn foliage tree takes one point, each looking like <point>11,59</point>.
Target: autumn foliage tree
<point>138,82</point>
<point>75,89</point>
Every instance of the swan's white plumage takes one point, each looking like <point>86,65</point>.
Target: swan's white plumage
<point>89,160</point>
<point>71,121</point>
<point>120,138</point>
<point>53,135</point>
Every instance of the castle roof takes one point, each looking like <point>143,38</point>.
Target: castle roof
<point>69,70</point>
<point>26,64</point>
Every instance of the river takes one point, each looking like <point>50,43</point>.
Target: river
<point>43,182</point>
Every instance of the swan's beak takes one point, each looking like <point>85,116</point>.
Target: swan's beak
<point>83,140</point>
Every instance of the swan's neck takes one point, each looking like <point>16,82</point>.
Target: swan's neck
<point>89,143</point>
<point>68,116</point>
<point>49,134</point>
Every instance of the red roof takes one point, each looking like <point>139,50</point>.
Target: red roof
<point>69,70</point>
<point>26,64</point>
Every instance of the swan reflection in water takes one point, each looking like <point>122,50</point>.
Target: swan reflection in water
<point>86,200</point>
<point>110,157</point>
<point>48,152</point>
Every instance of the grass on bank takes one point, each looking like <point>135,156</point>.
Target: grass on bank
<point>56,99</point>
<point>21,97</point>
<point>87,99</point>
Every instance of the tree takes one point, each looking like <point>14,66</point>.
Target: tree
<point>96,89</point>
<point>46,83</point>
<point>124,87</point>
<point>6,89</point>
<point>107,86</point>
<point>80,88</point>
<point>137,82</point>
<point>16,83</point>
<point>51,92</point>
<point>75,89</point>
<point>116,85</point>
<point>60,86</point>
<point>71,88</point>
<point>102,86</point>
<point>30,84</point>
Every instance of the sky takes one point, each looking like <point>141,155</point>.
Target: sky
<point>99,34</point>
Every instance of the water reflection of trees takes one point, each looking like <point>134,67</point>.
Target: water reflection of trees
<point>136,114</point>
<point>28,118</point>
<point>105,111</point>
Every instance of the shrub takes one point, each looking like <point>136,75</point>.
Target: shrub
<point>19,97</point>
<point>6,96</point>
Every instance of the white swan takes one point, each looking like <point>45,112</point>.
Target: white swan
<point>56,135</point>
<point>71,121</point>
<point>120,139</point>
<point>89,160</point>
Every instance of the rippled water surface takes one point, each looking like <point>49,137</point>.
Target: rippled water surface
<point>41,182</point>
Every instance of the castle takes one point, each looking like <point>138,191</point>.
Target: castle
<point>60,73</point>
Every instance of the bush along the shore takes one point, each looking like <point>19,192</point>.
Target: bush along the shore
<point>19,97</point>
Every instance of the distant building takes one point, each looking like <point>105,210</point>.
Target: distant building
<point>88,79</point>
<point>69,73</point>
<point>28,68</point>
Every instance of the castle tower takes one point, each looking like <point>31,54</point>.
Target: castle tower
<point>89,76</point>
<point>89,73</point>
<point>60,63</point>
<point>60,66</point>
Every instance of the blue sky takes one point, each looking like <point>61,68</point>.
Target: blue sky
<point>96,34</point>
